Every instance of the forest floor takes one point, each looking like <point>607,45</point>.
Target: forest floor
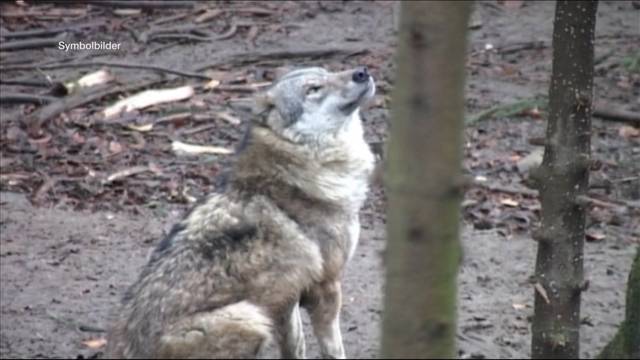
<point>83,199</point>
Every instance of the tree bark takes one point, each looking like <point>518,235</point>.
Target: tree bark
<point>423,182</point>
<point>561,179</point>
<point>626,343</point>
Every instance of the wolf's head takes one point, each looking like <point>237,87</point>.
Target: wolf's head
<point>312,103</point>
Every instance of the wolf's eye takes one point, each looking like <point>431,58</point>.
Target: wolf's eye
<point>313,89</point>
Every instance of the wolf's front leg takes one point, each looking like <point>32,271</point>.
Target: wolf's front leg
<point>323,302</point>
<point>292,344</point>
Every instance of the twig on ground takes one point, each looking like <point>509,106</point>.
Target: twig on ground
<point>126,173</point>
<point>19,98</point>
<point>194,33</point>
<point>169,19</point>
<point>185,37</point>
<point>29,44</point>
<point>198,129</point>
<point>208,15</point>
<point>180,148</point>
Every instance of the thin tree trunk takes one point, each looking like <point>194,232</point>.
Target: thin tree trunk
<point>562,178</point>
<point>423,182</point>
<point>626,343</point>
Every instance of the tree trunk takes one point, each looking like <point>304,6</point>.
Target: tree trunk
<point>423,182</point>
<point>626,343</point>
<point>563,179</point>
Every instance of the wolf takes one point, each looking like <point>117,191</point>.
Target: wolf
<point>232,275</point>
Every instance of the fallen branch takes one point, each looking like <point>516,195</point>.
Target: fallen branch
<point>107,64</point>
<point>48,32</point>
<point>208,15</point>
<point>26,82</point>
<point>148,98</point>
<point>170,19</point>
<point>198,129</point>
<point>607,203</point>
<point>249,57</point>
<point>52,110</point>
<point>511,48</point>
<point>628,117</point>
<point>186,37</point>
<point>125,173</point>
<point>143,4</point>
<point>507,110</point>
<point>29,44</point>
<point>19,98</point>
<point>196,34</point>
<point>180,148</point>
<point>155,31</point>
<point>174,117</point>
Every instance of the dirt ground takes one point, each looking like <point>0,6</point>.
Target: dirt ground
<point>71,243</point>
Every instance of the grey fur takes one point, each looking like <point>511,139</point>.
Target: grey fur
<point>229,277</point>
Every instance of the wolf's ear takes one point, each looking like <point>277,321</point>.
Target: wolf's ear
<point>262,106</point>
<point>281,71</point>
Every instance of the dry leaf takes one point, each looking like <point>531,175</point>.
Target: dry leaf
<point>509,202</point>
<point>95,343</point>
<point>212,84</point>
<point>141,128</point>
<point>127,12</point>
<point>627,132</point>
<point>517,306</point>
<point>78,138</point>
<point>115,147</point>
<point>228,118</point>
<point>540,289</point>
<point>592,236</point>
<point>533,112</point>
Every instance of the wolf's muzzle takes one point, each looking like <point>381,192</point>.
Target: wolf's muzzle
<point>361,75</point>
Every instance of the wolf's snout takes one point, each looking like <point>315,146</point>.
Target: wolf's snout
<point>361,75</point>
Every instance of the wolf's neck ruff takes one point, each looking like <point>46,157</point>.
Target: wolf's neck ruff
<point>335,169</point>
